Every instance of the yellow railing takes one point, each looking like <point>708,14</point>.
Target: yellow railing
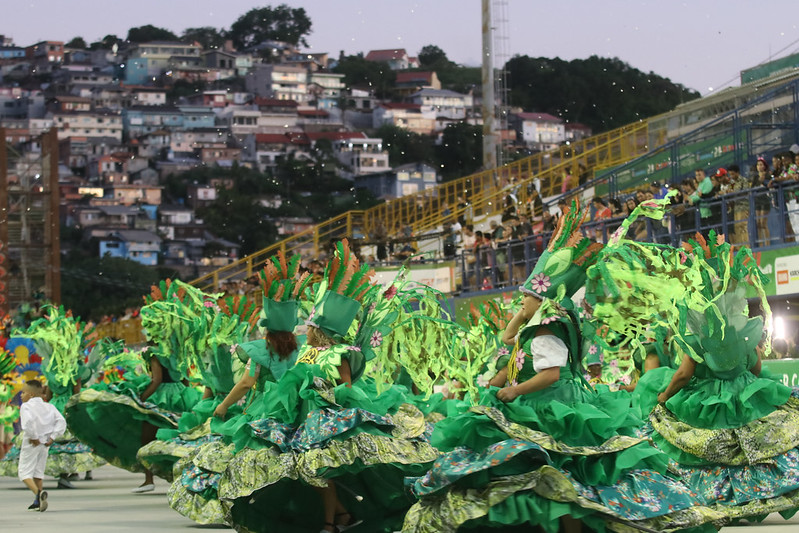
<point>479,195</point>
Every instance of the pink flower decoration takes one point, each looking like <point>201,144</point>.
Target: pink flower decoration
<point>614,364</point>
<point>520,355</point>
<point>502,351</point>
<point>208,303</point>
<point>593,349</point>
<point>540,283</point>
<point>376,340</point>
<point>390,292</point>
<point>233,348</point>
<point>548,320</point>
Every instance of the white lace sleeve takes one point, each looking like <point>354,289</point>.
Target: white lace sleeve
<point>548,351</point>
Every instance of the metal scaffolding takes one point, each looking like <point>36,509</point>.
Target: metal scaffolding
<point>29,221</point>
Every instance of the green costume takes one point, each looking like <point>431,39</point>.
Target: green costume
<point>564,449</point>
<point>313,430</point>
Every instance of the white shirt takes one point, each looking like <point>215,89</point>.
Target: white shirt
<point>548,351</point>
<point>41,421</point>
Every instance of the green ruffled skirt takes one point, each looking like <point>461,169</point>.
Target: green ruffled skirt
<point>312,432</point>
<point>562,451</point>
<point>110,421</point>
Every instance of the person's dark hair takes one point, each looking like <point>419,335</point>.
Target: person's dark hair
<point>479,233</point>
<point>615,203</point>
<point>600,201</point>
<point>734,168</point>
<point>35,384</point>
<point>282,342</point>
<point>470,227</point>
<point>763,159</point>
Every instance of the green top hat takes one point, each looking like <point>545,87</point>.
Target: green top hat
<point>560,270</point>
<point>280,316</point>
<point>333,313</point>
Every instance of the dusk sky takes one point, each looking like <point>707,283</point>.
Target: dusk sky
<point>702,44</point>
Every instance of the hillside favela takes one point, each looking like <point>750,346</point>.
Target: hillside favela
<point>250,283</point>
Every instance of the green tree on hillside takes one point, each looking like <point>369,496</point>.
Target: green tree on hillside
<point>461,150</point>
<point>207,36</point>
<point>281,23</point>
<point>358,72</point>
<point>602,93</point>
<point>144,34</point>
<point>405,146</point>
<point>76,42</point>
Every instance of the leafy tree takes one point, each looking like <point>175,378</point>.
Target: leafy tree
<point>281,23</point>
<point>96,286</point>
<point>207,36</point>
<point>405,146</point>
<point>144,34</point>
<point>603,93</point>
<point>460,79</point>
<point>461,150</point>
<point>183,87</point>
<point>360,72</point>
<point>77,42</point>
<point>106,43</point>
<point>433,57</point>
<point>241,219</point>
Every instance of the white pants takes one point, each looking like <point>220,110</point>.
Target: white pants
<point>32,460</point>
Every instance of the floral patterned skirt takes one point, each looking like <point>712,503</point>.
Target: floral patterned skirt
<point>67,455</point>
<point>365,443</point>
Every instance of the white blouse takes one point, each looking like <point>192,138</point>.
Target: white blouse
<point>548,351</point>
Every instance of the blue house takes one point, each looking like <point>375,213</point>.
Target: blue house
<point>403,180</point>
<point>135,71</point>
<point>143,119</point>
<point>141,246</point>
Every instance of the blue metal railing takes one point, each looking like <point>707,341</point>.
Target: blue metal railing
<point>760,218</point>
<point>760,127</point>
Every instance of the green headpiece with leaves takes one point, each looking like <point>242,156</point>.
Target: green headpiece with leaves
<point>283,287</point>
<point>560,270</point>
<point>338,300</point>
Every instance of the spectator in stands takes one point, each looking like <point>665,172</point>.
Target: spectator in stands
<point>550,221</point>
<point>566,181</point>
<point>615,207</point>
<point>535,204</point>
<point>380,235</point>
<point>450,248</point>
<point>700,197</point>
<point>762,200</point>
<point>638,228</point>
<point>658,191</point>
<point>601,210</point>
<point>496,230</point>
<point>740,206</point>
<point>526,227</point>
<point>510,208</point>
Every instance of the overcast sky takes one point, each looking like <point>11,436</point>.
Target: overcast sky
<point>702,44</point>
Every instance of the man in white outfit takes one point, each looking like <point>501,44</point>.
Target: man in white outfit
<point>41,424</point>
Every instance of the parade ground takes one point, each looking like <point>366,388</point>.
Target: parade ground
<point>105,504</point>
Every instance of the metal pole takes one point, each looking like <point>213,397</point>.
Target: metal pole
<point>4,305</point>
<point>52,218</point>
<point>489,130</point>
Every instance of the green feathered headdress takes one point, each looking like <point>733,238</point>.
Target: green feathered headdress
<point>59,339</point>
<point>560,270</point>
<point>283,287</point>
<point>345,285</point>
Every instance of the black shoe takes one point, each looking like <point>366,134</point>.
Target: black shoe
<point>34,506</point>
<point>88,476</point>
<point>73,476</point>
<point>42,501</point>
<point>64,483</point>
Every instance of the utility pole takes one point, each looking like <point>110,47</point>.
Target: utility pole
<point>489,113</point>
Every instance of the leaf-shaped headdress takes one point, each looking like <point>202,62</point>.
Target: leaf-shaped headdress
<point>560,270</point>
<point>283,287</point>
<point>346,284</point>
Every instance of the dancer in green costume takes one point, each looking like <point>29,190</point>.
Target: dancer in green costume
<point>108,417</point>
<point>212,331</point>
<point>194,491</point>
<point>546,449</point>
<point>329,448</point>
<point>732,435</point>
<point>60,340</point>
